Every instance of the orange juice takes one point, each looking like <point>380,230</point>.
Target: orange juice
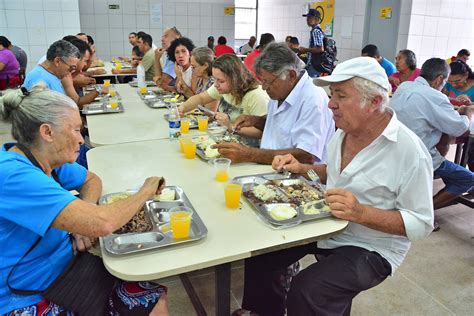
<point>202,123</point>
<point>113,93</point>
<point>232,193</point>
<point>181,143</point>
<point>106,83</point>
<point>143,90</point>
<point>222,175</point>
<point>189,149</point>
<point>180,224</point>
<point>184,126</point>
<point>114,104</point>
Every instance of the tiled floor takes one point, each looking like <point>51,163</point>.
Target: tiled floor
<point>437,277</point>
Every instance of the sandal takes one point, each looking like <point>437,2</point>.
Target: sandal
<point>243,312</point>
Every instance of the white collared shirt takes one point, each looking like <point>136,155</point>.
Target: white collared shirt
<point>302,121</point>
<point>394,172</point>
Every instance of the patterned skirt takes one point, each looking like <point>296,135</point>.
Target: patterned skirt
<point>128,298</point>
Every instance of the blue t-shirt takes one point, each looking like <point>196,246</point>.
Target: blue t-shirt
<point>388,67</point>
<point>29,203</point>
<point>453,92</point>
<point>40,74</point>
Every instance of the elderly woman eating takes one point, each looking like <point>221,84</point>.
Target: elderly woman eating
<point>45,230</point>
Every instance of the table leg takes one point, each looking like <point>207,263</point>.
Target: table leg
<point>200,311</point>
<point>223,289</point>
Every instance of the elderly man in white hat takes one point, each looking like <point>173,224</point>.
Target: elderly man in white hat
<point>378,178</point>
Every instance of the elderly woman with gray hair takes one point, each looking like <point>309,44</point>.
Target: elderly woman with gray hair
<point>298,120</point>
<point>43,227</point>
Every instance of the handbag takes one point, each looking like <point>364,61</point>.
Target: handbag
<point>83,287</point>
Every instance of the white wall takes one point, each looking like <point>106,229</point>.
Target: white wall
<point>35,24</point>
<point>196,19</point>
<point>440,28</point>
<point>283,17</point>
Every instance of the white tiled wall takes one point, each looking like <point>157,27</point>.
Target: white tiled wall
<point>284,17</point>
<point>439,28</point>
<point>35,24</point>
<point>196,19</point>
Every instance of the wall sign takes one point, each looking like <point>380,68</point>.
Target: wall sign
<point>326,8</point>
<point>385,13</point>
<point>229,11</point>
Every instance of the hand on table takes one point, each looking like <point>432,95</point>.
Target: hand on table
<point>245,121</point>
<point>234,151</point>
<point>223,120</point>
<point>153,186</point>
<point>344,205</point>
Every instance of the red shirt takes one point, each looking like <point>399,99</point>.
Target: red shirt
<point>223,49</point>
<point>248,62</point>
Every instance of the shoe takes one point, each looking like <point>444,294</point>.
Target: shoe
<point>436,227</point>
<point>243,312</point>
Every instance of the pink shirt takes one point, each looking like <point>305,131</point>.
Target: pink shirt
<point>12,67</point>
<point>413,76</point>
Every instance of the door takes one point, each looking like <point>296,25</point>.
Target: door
<point>382,29</point>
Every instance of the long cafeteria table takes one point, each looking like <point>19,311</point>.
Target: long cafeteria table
<point>232,234</point>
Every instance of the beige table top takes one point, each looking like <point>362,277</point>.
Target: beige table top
<point>233,234</point>
<point>137,123</point>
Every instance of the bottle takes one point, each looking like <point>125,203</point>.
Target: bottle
<point>174,123</point>
<point>141,76</point>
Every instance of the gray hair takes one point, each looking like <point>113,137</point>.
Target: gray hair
<point>62,49</point>
<point>369,90</point>
<point>204,55</point>
<point>434,67</point>
<point>28,113</point>
<point>278,59</point>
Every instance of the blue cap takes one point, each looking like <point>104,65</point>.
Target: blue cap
<point>313,12</point>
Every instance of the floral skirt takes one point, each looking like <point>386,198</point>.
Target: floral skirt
<point>128,298</point>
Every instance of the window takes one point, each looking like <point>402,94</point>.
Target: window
<point>245,21</point>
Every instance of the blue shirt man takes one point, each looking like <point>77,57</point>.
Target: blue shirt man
<point>387,66</point>
<point>40,74</point>
<point>371,50</point>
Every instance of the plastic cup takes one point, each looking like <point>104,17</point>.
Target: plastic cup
<point>143,90</point>
<point>182,140</point>
<point>114,104</point>
<point>107,83</point>
<point>202,123</point>
<point>180,219</point>
<point>222,165</point>
<point>113,93</point>
<point>232,192</point>
<point>185,122</point>
<point>189,149</point>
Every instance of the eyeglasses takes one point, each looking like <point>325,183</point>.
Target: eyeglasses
<point>72,68</point>
<point>266,84</point>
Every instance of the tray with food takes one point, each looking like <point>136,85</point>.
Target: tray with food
<point>150,228</point>
<point>192,116</point>
<point>103,108</point>
<point>204,148</point>
<point>134,84</point>
<point>105,97</point>
<point>284,200</point>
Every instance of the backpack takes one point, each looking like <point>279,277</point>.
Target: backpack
<point>324,62</point>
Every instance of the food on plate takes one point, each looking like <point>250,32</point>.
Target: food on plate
<point>211,152</point>
<point>268,193</point>
<point>176,98</point>
<point>315,207</point>
<point>138,224</point>
<point>118,197</point>
<point>301,193</point>
<point>283,212</point>
<point>203,142</point>
<point>167,194</point>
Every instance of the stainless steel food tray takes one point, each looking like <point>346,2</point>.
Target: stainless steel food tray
<point>192,124</point>
<point>161,234</point>
<point>280,183</point>
<point>147,83</point>
<point>102,108</point>
<point>102,98</point>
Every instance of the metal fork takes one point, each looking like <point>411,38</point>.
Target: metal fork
<point>316,180</point>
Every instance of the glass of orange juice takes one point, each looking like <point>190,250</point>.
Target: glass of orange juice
<point>180,219</point>
<point>113,93</point>
<point>185,122</point>
<point>143,90</point>
<point>182,140</point>
<point>221,165</point>
<point>107,83</point>
<point>189,149</point>
<point>232,192</point>
<point>202,123</point>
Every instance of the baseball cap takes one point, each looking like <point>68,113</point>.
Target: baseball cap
<point>313,12</point>
<point>364,67</point>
